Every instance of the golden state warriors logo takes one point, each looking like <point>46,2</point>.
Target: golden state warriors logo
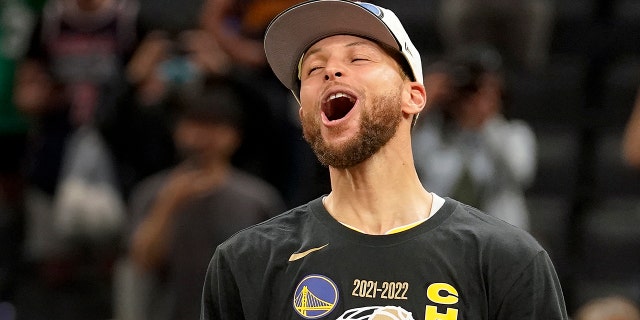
<point>315,296</point>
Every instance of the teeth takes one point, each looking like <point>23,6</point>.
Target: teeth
<point>340,95</point>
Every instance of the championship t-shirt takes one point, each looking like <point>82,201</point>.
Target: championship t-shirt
<point>459,264</point>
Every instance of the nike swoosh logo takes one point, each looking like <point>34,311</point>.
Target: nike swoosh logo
<point>300,255</point>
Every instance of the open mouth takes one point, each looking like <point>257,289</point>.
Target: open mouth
<point>338,105</point>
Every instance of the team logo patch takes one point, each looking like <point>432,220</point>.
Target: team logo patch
<point>315,296</point>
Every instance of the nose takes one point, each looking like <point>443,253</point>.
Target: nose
<point>332,72</point>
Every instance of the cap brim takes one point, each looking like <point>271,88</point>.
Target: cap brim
<point>293,31</point>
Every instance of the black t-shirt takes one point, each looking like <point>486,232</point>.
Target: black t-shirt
<point>459,264</point>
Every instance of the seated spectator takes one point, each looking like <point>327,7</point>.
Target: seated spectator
<point>181,214</point>
<point>482,158</point>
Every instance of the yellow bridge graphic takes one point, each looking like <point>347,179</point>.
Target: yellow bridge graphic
<point>306,301</point>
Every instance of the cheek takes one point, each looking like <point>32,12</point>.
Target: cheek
<point>307,88</point>
<point>384,80</point>
<point>388,76</point>
<point>308,99</point>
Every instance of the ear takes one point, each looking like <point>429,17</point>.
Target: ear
<point>414,99</point>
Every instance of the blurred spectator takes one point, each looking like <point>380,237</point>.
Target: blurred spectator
<point>66,82</point>
<point>482,157</point>
<point>139,130</point>
<point>17,21</point>
<point>75,61</point>
<point>273,147</point>
<point>239,26</point>
<point>608,308</point>
<point>520,29</point>
<point>173,54</point>
<point>182,214</point>
<point>631,142</point>
<point>83,46</point>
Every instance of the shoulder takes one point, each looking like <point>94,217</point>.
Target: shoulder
<point>252,187</point>
<point>506,254</point>
<point>515,268</point>
<point>492,235</point>
<point>241,179</point>
<point>148,187</point>
<point>275,234</point>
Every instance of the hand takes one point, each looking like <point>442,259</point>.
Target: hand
<point>205,52</point>
<point>150,53</point>
<point>187,182</point>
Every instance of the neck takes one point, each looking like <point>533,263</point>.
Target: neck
<point>215,169</point>
<point>217,165</point>
<point>380,194</point>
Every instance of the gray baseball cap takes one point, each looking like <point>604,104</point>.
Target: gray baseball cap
<point>293,31</point>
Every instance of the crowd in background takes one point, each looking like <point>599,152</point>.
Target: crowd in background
<point>136,135</point>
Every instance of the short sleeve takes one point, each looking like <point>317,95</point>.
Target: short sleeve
<point>536,293</point>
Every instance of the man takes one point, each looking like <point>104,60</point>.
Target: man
<point>271,147</point>
<point>378,246</point>
<point>484,159</point>
<point>182,214</point>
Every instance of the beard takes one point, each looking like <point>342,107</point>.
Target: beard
<point>377,127</point>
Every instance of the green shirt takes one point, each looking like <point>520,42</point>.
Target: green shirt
<point>17,20</point>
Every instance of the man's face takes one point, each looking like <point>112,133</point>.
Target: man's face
<point>350,97</point>
<point>199,142</point>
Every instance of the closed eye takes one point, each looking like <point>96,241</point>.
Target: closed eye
<point>312,70</point>
<point>361,56</point>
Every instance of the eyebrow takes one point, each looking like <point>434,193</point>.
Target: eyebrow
<point>351,44</point>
